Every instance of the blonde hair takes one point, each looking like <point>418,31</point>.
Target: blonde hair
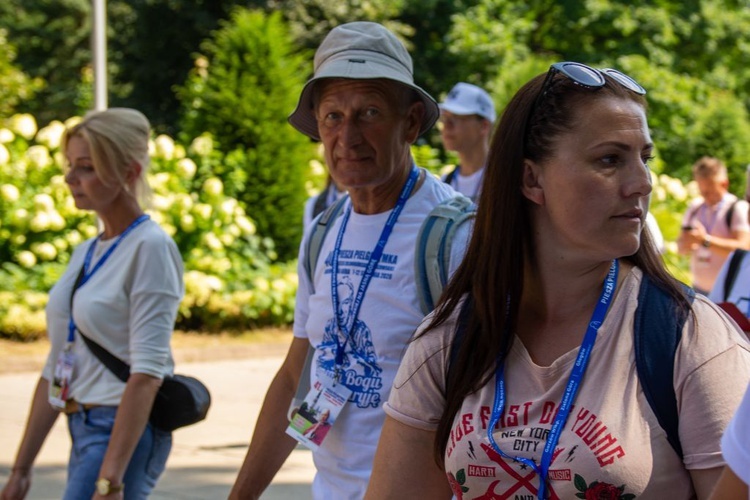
<point>117,138</point>
<point>707,167</point>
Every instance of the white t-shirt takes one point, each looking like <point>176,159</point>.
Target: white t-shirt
<point>740,292</point>
<point>735,445</point>
<point>612,438</point>
<point>467,185</point>
<point>389,315</point>
<point>128,307</point>
<point>705,263</point>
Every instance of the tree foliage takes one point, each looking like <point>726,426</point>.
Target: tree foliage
<point>690,56</point>
<point>152,43</point>
<point>241,92</point>
<point>15,86</point>
<point>52,42</point>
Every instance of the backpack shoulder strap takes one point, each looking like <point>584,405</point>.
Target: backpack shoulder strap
<point>434,244</point>
<point>451,175</point>
<point>657,332</point>
<point>318,235</point>
<point>320,203</point>
<point>730,214</point>
<point>732,270</point>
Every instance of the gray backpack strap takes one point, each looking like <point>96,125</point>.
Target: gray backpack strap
<point>318,235</point>
<point>434,243</point>
<point>320,229</point>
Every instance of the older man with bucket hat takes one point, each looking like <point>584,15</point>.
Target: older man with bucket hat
<point>466,119</point>
<point>357,305</point>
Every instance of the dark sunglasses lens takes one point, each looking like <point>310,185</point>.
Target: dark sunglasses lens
<point>624,80</point>
<point>582,74</point>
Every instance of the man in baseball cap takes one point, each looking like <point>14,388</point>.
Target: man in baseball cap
<point>357,304</point>
<point>466,119</point>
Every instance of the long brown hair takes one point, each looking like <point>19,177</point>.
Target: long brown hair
<point>491,274</point>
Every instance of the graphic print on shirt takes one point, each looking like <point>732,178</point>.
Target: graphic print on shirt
<point>360,371</point>
<point>479,472</point>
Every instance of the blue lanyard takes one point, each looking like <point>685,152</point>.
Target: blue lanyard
<point>369,270</point>
<point>87,263</point>
<point>570,390</point>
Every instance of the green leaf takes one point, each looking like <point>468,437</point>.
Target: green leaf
<point>461,476</point>
<point>580,483</point>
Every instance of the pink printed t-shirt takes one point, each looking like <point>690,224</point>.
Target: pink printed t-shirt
<point>612,443</point>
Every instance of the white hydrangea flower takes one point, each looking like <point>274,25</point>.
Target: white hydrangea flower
<point>56,221</point>
<point>226,239</point>
<point>202,145</point>
<point>677,190</point>
<point>160,202</point>
<point>279,285</point>
<point>203,210</point>
<point>51,135</point>
<point>4,155</point>
<point>261,284</point>
<point>169,229</point>
<point>213,283</point>
<point>40,222</point>
<point>212,242</point>
<point>43,201</point>
<point>245,225</point>
<point>213,186</point>
<point>24,125</point>
<point>39,156</point>
<point>20,215</point>
<point>26,259</point>
<point>659,193</point>
<point>187,223</point>
<point>73,237</point>
<point>72,121</point>
<point>164,146</point>
<point>227,206</point>
<point>45,250</point>
<point>10,193</point>
<point>184,200</point>
<point>60,244</point>
<point>179,151</point>
<point>6,136</point>
<point>186,168</point>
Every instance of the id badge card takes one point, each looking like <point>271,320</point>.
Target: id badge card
<point>318,412</point>
<point>59,390</point>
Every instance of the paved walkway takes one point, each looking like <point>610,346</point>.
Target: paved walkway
<point>205,457</point>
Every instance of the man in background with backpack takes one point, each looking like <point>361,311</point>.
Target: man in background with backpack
<point>466,118</point>
<point>732,286</point>
<point>714,225</point>
<point>358,301</point>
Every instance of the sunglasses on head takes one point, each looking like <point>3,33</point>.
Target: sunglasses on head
<point>588,77</point>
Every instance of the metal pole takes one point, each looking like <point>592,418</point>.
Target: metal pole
<point>99,52</point>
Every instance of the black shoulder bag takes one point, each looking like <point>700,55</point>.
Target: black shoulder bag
<point>182,400</point>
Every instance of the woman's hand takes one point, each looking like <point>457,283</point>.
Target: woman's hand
<point>132,417</point>
<point>17,486</point>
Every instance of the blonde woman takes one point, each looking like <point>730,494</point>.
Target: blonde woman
<point>120,290</point>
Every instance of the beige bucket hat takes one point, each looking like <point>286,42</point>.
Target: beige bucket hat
<point>360,50</point>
